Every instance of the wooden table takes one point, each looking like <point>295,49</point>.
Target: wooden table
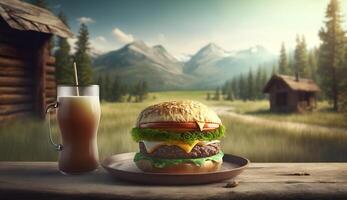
<point>41,180</point>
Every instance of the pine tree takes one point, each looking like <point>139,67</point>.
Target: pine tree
<point>305,69</point>
<point>124,89</point>
<point>331,53</point>
<point>250,86</point>
<point>264,80</point>
<point>312,63</point>
<point>291,63</point>
<point>230,95</point>
<point>140,91</point>
<point>225,88</point>
<point>136,91</point>
<point>242,88</point>
<point>217,94</point>
<point>228,88</point>
<point>283,67</point>
<point>257,84</point>
<point>116,94</point>
<point>143,90</point>
<point>297,55</point>
<point>107,88</point>
<point>300,58</point>
<point>82,59</point>
<point>234,87</point>
<point>64,70</point>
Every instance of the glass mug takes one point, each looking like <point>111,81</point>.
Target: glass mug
<point>78,115</point>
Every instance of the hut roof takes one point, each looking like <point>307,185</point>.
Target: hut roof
<point>24,16</point>
<point>303,84</point>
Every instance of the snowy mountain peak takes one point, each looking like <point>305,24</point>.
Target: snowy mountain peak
<point>211,45</point>
<point>138,43</point>
<point>212,49</point>
<point>159,47</point>
<point>137,46</point>
<point>161,51</point>
<point>208,53</point>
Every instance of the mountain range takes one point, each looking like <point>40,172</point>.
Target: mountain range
<point>210,67</point>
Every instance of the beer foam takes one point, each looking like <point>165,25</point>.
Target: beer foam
<point>87,104</point>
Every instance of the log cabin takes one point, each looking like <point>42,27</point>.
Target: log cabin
<point>27,72</point>
<point>291,93</point>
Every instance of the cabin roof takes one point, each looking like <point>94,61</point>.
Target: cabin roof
<point>27,17</point>
<point>307,85</point>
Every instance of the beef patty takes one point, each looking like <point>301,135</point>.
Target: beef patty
<point>172,151</point>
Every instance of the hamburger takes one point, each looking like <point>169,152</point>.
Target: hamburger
<point>178,137</point>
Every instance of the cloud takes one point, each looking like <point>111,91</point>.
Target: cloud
<point>85,20</point>
<point>100,39</point>
<point>98,45</point>
<point>101,45</point>
<point>122,37</point>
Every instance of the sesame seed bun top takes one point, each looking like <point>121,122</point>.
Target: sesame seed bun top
<point>178,111</point>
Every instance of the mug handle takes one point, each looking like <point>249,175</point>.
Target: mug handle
<point>51,106</point>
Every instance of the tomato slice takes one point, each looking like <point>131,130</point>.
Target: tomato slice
<point>179,126</point>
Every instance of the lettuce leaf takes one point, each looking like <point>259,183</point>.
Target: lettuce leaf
<point>160,162</point>
<point>139,134</point>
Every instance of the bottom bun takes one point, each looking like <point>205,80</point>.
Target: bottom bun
<point>181,168</point>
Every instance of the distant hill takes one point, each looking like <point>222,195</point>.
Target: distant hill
<point>211,66</point>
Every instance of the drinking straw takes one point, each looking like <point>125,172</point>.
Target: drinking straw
<point>76,78</point>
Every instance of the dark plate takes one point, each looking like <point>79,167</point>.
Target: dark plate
<point>122,166</point>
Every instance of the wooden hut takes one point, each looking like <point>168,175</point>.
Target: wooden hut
<point>27,80</point>
<point>291,93</point>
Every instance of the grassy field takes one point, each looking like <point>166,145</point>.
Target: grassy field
<point>323,116</point>
<point>28,139</point>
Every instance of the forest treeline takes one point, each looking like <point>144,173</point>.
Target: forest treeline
<point>249,86</point>
<point>246,86</point>
<point>113,90</point>
<point>326,65</point>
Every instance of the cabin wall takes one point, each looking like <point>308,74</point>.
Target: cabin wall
<point>279,88</point>
<point>293,101</point>
<point>27,80</point>
<point>45,88</point>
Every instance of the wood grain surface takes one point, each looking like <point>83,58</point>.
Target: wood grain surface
<point>41,180</point>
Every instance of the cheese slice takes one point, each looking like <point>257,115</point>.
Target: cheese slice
<point>204,143</point>
<point>153,145</point>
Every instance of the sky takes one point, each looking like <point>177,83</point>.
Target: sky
<point>184,26</point>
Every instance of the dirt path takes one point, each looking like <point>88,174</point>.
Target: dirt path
<point>296,126</point>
